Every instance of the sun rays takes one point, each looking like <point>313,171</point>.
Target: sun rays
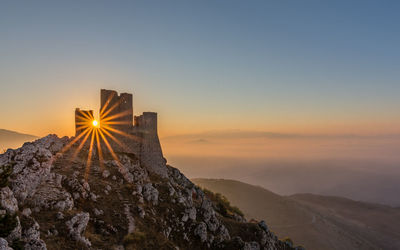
<point>93,135</point>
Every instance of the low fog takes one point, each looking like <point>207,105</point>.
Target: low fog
<point>363,168</point>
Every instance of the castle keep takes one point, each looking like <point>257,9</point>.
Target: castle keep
<point>129,134</point>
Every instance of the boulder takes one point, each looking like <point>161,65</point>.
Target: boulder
<point>77,225</point>
<point>150,193</point>
<point>8,201</point>
<point>201,231</point>
<point>4,245</point>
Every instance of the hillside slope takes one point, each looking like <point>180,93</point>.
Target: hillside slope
<point>316,222</point>
<point>53,199</point>
<point>12,139</point>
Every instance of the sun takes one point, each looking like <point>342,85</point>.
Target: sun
<point>95,123</point>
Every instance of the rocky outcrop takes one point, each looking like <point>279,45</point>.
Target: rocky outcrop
<point>4,245</point>
<point>31,236</point>
<point>150,193</point>
<point>8,201</point>
<point>112,204</point>
<point>76,226</point>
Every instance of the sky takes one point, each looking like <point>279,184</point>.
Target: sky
<point>304,67</point>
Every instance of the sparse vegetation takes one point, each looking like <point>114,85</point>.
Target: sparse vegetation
<point>7,223</point>
<point>288,241</point>
<point>146,240</point>
<point>5,172</point>
<point>17,245</point>
<point>134,238</point>
<point>222,204</point>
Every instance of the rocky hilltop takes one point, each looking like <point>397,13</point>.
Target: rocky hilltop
<point>52,200</point>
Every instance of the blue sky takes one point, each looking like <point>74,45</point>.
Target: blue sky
<point>257,65</point>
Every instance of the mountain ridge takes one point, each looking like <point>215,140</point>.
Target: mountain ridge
<point>13,139</point>
<point>314,220</point>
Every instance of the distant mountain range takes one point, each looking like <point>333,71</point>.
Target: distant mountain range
<point>12,139</point>
<point>314,221</point>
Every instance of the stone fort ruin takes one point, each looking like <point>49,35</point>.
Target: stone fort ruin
<point>132,134</point>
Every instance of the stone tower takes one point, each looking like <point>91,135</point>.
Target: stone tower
<point>135,134</point>
<point>81,117</point>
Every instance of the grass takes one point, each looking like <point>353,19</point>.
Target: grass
<point>134,238</point>
<point>146,240</point>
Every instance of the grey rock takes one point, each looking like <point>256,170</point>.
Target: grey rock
<point>51,197</point>
<point>93,197</point>
<point>139,189</point>
<point>131,220</point>
<point>201,231</point>
<point>8,201</point>
<point>223,233</point>
<point>150,193</point>
<point>251,246</point>
<point>263,225</point>
<point>76,195</point>
<point>141,211</point>
<point>123,170</point>
<point>191,213</point>
<point>136,173</point>
<point>106,173</point>
<point>60,216</point>
<point>167,231</point>
<point>26,212</point>
<point>31,236</point>
<point>185,217</point>
<point>119,247</point>
<point>4,245</point>
<point>98,212</point>
<point>77,225</point>
<point>85,185</point>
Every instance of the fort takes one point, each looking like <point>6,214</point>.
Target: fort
<point>131,134</point>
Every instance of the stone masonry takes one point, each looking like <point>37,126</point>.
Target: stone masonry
<point>137,134</point>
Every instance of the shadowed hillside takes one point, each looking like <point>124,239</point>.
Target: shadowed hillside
<point>316,222</point>
<point>12,139</point>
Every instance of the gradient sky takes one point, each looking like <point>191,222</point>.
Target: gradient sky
<point>284,66</point>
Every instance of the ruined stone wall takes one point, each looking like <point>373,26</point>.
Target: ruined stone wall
<point>81,117</point>
<point>117,110</point>
<point>140,139</point>
<point>151,155</point>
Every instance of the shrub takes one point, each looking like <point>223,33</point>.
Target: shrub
<point>222,204</point>
<point>5,172</point>
<point>288,241</point>
<point>7,223</point>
